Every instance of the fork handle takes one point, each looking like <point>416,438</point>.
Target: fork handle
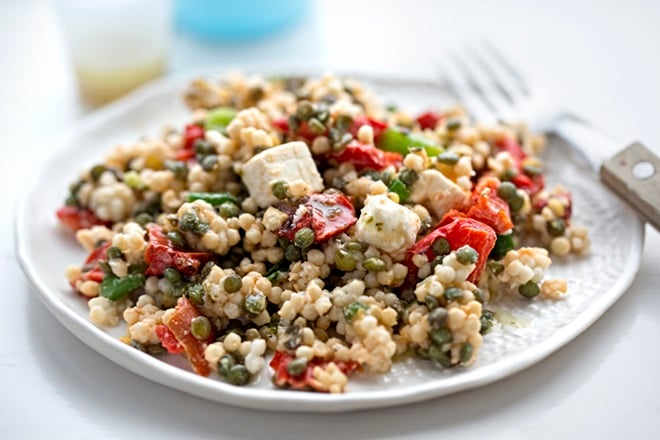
<point>634,174</point>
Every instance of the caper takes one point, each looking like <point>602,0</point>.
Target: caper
<point>453,293</point>
<point>255,303</point>
<point>496,267</point>
<point>352,310</point>
<point>532,170</point>
<point>233,283</point>
<point>305,110</point>
<point>355,246</point>
<point>196,293</point>
<point>408,176</point>
<point>114,252</point>
<point>438,356</point>
<point>203,147</point>
<point>304,238</point>
<point>177,239</point>
<point>96,171</point>
<point>453,124</point>
<point>486,320</point>
<point>441,336</point>
<point>280,189</point>
<point>172,275</point>
<point>238,375</point>
<point>200,327</point>
<point>438,318</point>
<point>448,158</point>
<point>441,246</point>
<point>530,289</point>
<point>209,162</point>
<point>225,364</point>
<point>297,366</point>
<point>229,209</point>
<point>506,191</point>
<point>374,264</point>
<point>292,253</point>
<point>516,202</point>
<point>143,219</point>
<point>316,126</point>
<point>344,260</point>
<point>467,255</point>
<point>555,227</point>
<point>466,353</point>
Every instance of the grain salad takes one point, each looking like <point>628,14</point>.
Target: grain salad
<point>297,225</point>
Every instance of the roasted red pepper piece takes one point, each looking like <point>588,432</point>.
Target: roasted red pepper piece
<point>531,185</point>
<point>366,156</point>
<point>305,380</point>
<point>160,254</point>
<point>459,231</point>
<point>191,134</point>
<point>179,325</point>
<point>77,218</point>
<point>167,339</point>
<point>360,120</point>
<point>91,270</point>
<point>487,207</point>
<point>429,119</point>
<point>328,214</point>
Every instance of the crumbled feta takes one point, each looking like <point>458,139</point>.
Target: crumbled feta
<point>437,192</point>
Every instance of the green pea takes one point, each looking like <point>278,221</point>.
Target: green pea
<point>115,253</point>
<point>172,275</point>
<point>229,209</point>
<point>441,336</point>
<point>466,353</point>
<point>297,366</point>
<point>467,255</point>
<point>351,311</point>
<point>344,260</point>
<point>438,318</point>
<point>280,189</point>
<point>453,293</point>
<point>438,356</point>
<point>177,239</point>
<point>441,246</point>
<point>209,162</point>
<point>255,303</point>
<point>238,375</point>
<point>304,238</point>
<point>200,327</point>
<point>219,118</point>
<point>506,191</point>
<point>530,289</point>
<point>453,124</point>
<point>556,227</point>
<point>316,126</point>
<point>374,264</point>
<point>196,293</point>
<point>233,283</point>
<point>448,158</point>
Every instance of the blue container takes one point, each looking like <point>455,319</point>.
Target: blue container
<point>239,19</point>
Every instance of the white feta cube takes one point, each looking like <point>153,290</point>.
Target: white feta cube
<point>437,193</point>
<point>287,162</point>
<point>387,225</point>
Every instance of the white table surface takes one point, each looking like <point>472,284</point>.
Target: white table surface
<point>601,58</point>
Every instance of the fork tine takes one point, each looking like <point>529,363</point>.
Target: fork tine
<point>484,84</point>
<point>493,53</point>
<point>461,90</point>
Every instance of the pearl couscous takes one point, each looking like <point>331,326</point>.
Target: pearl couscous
<point>297,220</point>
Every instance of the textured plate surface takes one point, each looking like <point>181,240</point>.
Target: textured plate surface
<point>527,331</point>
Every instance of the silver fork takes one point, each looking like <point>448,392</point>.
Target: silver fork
<point>491,89</point>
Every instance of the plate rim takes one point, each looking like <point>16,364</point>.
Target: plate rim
<point>281,400</point>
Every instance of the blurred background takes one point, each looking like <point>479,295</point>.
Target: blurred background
<point>61,58</point>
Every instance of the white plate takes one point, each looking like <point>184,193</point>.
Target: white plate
<point>531,331</point>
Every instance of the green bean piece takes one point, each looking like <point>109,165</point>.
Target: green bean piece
<point>441,336</point>
<point>400,188</point>
<point>212,198</point>
<point>467,255</point>
<point>176,239</point>
<point>304,238</point>
<point>233,283</point>
<point>344,260</point>
<point>352,310</point>
<point>255,303</point>
<point>200,327</point>
<point>280,189</point>
<point>374,264</point>
<point>453,293</point>
<point>116,288</point>
<point>448,158</point>
<point>172,275</point>
<point>297,366</point>
<point>238,375</point>
<point>556,227</point>
<point>530,289</point>
<point>441,246</point>
<point>466,353</point>
<point>219,118</point>
<point>400,141</point>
